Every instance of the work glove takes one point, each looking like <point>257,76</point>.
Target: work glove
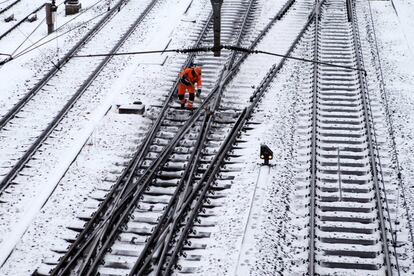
<point>198,92</point>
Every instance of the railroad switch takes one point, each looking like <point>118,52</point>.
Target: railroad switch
<point>266,154</point>
<point>72,7</point>
<point>136,107</point>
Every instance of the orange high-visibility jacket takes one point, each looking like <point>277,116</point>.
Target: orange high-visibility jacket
<point>189,75</point>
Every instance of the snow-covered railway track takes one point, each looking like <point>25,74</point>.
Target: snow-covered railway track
<point>349,233</point>
<point>8,6</point>
<point>55,95</point>
<point>159,162</point>
<point>137,219</point>
<point>21,21</point>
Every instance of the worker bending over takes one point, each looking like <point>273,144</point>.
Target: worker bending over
<point>189,77</point>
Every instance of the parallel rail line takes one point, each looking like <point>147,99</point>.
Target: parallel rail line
<point>9,6</point>
<point>136,184</point>
<point>42,82</point>
<point>8,178</point>
<point>20,22</point>
<point>126,188</point>
<point>348,230</point>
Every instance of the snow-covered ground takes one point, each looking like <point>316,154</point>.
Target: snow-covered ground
<point>395,36</point>
<point>126,79</point>
<point>253,234</point>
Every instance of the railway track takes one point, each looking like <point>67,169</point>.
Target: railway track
<point>21,21</point>
<point>349,231</point>
<point>50,161</point>
<point>140,215</point>
<point>162,140</point>
<point>51,99</point>
<point>9,6</point>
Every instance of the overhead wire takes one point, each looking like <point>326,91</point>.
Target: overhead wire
<point>222,47</point>
<point>30,49</point>
<point>40,50</point>
<point>27,38</point>
<point>202,49</point>
<point>33,45</point>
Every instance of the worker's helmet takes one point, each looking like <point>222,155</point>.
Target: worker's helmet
<point>197,69</point>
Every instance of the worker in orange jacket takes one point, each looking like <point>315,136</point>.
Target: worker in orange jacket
<point>189,77</point>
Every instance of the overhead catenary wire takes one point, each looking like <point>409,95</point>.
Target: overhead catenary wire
<point>27,50</point>
<point>41,51</point>
<point>33,46</point>
<point>198,49</point>
<point>222,47</point>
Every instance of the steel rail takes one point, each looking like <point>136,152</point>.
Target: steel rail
<point>390,124</point>
<point>138,269</point>
<point>255,99</point>
<point>312,203</point>
<point>215,90</point>
<point>20,22</point>
<point>65,59</point>
<point>117,219</point>
<point>202,187</point>
<point>379,163</point>
<point>243,119</point>
<point>145,257</point>
<point>124,185</point>
<point>200,140</point>
<point>153,131</point>
<point>9,6</point>
<point>122,211</point>
<point>152,243</point>
<point>45,134</point>
<point>362,83</point>
<point>372,155</point>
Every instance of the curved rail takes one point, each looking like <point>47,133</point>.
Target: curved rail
<point>146,180</point>
<point>153,241</point>
<point>124,187</point>
<point>120,208</point>
<point>199,191</point>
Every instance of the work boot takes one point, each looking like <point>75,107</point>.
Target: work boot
<point>182,102</point>
<point>190,105</point>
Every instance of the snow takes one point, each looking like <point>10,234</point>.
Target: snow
<point>395,43</point>
<point>99,133</point>
<point>261,226</point>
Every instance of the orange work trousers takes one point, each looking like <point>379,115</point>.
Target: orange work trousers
<point>181,92</point>
<point>182,88</point>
